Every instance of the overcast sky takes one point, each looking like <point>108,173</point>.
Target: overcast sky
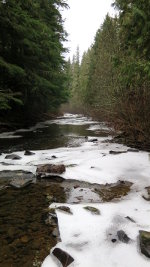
<point>82,21</point>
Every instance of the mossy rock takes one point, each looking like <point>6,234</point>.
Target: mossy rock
<point>65,209</point>
<point>93,210</point>
<point>145,243</point>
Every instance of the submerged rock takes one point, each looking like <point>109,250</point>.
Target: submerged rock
<point>65,209</point>
<point>29,153</point>
<point>63,257</point>
<point>55,232</point>
<point>117,190</point>
<point>145,243</point>
<point>92,210</point>
<point>49,169</point>
<point>122,236</point>
<point>7,175</point>
<point>13,157</point>
<point>20,182</point>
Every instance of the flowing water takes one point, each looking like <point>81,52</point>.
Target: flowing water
<point>25,235</point>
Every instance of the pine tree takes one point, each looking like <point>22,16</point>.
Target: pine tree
<point>31,55</point>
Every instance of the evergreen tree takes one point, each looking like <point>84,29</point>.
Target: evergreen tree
<point>31,55</point>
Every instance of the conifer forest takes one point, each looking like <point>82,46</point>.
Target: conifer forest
<point>74,133</point>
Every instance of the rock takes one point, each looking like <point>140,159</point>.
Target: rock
<point>112,152</point>
<point>20,182</point>
<point>76,186</point>
<point>24,239</point>
<point>55,232</point>
<point>63,257</point>
<point>65,209</point>
<point>145,243</point>
<point>13,157</point>
<point>130,219</point>
<point>114,240</point>
<point>28,153</point>
<point>52,220</point>
<point>93,140</point>
<point>54,157</point>
<point>132,150</point>
<point>148,192</point>
<point>53,179</point>
<point>122,236</point>
<point>117,190</point>
<point>49,169</point>
<point>92,210</point>
<point>7,175</point>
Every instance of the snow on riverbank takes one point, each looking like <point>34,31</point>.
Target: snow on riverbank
<point>87,237</point>
<point>90,162</point>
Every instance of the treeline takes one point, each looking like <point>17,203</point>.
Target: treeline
<point>113,79</point>
<point>32,66</point>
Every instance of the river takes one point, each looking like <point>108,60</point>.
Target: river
<point>101,176</point>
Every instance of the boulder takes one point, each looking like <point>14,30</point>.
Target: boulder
<point>122,236</point>
<point>13,157</point>
<point>63,257</point>
<point>144,238</point>
<point>49,170</point>
<point>29,153</point>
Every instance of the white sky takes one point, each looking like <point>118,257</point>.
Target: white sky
<point>82,21</point>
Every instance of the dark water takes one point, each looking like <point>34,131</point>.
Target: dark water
<point>53,136</point>
<point>25,237</point>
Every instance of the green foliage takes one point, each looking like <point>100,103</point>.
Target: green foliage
<point>114,75</point>
<point>31,55</point>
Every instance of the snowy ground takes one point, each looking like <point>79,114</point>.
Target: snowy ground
<point>87,237</point>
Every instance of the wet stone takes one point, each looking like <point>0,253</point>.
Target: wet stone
<point>63,257</point>
<point>122,236</point>
<point>144,238</point>
<point>54,157</point>
<point>93,140</point>
<point>13,157</point>
<point>49,169</point>
<point>29,153</point>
